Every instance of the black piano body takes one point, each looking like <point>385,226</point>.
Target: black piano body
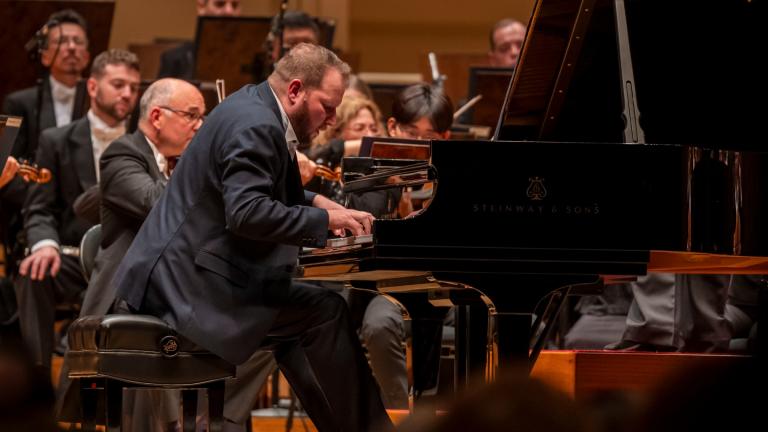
<point>566,193</point>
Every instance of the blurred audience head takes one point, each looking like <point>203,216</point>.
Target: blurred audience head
<point>509,404</point>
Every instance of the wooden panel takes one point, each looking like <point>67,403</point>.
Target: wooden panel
<point>581,374</point>
<point>557,369</point>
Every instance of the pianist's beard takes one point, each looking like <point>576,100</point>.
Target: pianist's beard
<point>303,127</point>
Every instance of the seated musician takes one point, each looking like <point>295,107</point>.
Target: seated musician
<point>297,27</point>
<point>49,275</point>
<point>506,39</point>
<point>419,112</point>
<point>64,55</point>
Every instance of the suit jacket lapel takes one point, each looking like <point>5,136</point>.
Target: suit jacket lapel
<point>47,114</point>
<point>82,149</point>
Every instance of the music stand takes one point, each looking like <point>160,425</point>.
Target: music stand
<point>492,84</point>
<point>395,148</point>
<point>9,128</point>
<point>22,18</point>
<point>228,48</point>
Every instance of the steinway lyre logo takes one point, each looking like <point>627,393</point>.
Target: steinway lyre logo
<point>536,190</point>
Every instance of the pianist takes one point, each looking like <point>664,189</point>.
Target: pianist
<point>215,255</point>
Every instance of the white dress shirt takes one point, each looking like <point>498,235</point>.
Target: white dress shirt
<point>162,162</point>
<point>63,101</point>
<point>290,134</point>
<point>101,136</point>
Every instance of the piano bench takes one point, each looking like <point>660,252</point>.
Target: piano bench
<point>110,353</point>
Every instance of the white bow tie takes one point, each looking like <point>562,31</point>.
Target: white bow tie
<point>108,135</point>
<point>62,94</point>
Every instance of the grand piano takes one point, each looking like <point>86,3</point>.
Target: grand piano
<point>629,142</point>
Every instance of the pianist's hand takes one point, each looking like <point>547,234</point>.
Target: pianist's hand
<point>357,222</point>
<point>37,263</point>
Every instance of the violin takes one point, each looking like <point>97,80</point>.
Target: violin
<point>32,173</point>
<point>328,174</point>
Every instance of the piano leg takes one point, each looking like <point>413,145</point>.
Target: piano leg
<point>498,337</point>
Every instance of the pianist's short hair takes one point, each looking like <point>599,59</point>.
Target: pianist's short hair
<point>424,100</point>
<point>65,16</point>
<point>114,56</point>
<point>308,63</point>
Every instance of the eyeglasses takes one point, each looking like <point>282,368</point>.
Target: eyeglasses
<point>74,40</point>
<point>412,132</point>
<point>190,116</point>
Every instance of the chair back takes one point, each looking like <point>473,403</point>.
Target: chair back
<point>89,245</point>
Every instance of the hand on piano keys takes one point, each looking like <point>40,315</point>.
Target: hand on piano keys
<point>356,222</point>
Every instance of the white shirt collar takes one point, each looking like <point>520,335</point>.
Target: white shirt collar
<point>290,135</point>
<point>101,136</point>
<point>63,101</point>
<point>162,162</point>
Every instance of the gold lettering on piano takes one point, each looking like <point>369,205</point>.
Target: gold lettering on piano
<point>557,210</point>
<point>536,190</point>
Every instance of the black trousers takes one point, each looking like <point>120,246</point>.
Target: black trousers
<point>320,355</point>
<point>37,302</point>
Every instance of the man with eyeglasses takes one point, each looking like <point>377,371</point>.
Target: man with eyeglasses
<point>64,56</point>
<point>50,275</point>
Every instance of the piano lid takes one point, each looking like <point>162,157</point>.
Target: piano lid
<point>695,67</point>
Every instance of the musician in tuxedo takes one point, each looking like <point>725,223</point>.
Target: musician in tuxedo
<point>64,56</point>
<point>71,153</point>
<point>296,27</point>
<point>506,40</point>
<point>179,62</point>
<point>215,256</point>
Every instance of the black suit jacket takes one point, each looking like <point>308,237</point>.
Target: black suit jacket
<point>48,213</point>
<point>220,245</point>
<point>130,185</point>
<point>178,62</point>
<point>24,103</point>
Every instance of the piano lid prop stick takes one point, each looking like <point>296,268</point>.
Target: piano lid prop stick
<point>467,106</point>
<point>221,93</point>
